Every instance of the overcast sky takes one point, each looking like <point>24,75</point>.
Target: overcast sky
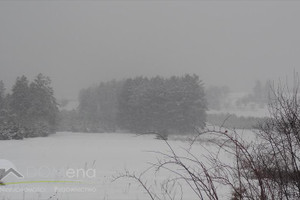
<point>80,43</point>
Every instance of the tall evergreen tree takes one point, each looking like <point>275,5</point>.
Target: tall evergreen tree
<point>20,101</point>
<point>14,112</point>
<point>43,109</point>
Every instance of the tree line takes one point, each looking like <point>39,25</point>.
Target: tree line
<point>29,110</point>
<point>140,104</point>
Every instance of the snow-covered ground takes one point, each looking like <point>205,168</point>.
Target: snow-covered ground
<point>100,156</point>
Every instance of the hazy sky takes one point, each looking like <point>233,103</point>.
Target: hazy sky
<point>80,43</point>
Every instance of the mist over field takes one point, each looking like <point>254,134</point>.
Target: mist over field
<point>149,100</point>
<point>81,43</point>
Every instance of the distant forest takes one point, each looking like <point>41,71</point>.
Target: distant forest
<point>138,105</point>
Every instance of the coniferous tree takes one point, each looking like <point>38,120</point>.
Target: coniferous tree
<point>14,110</point>
<point>19,105</point>
<point>43,109</point>
<point>20,101</point>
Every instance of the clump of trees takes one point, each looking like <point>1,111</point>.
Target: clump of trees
<point>98,107</point>
<point>217,97</point>
<point>160,105</point>
<point>259,95</point>
<point>140,105</point>
<point>30,110</point>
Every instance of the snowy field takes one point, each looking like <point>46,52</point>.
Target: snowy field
<point>101,156</point>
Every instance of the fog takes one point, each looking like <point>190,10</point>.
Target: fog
<point>80,43</point>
